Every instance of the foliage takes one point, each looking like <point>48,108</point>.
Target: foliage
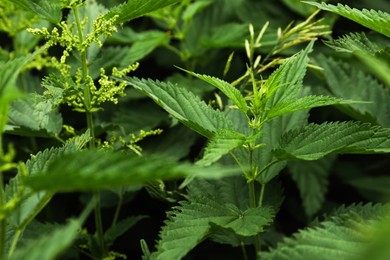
<point>175,129</point>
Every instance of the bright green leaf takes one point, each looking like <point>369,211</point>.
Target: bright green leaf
<point>345,235</point>
<point>190,222</point>
<point>378,21</point>
<point>183,105</point>
<point>288,106</point>
<point>231,92</point>
<point>222,142</point>
<point>136,8</point>
<point>92,170</point>
<point>315,141</point>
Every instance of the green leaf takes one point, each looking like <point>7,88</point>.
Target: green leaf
<point>222,142</point>
<point>378,21</point>
<point>33,202</point>
<point>45,9</point>
<point>49,246</point>
<point>292,105</point>
<point>349,82</point>
<point>8,92</point>
<point>273,130</point>
<point>37,114</point>
<point>183,105</point>
<point>353,42</point>
<point>315,141</point>
<point>93,170</point>
<point>286,82</point>
<point>231,92</point>
<point>136,8</point>
<point>311,178</point>
<point>345,236</point>
<point>190,222</point>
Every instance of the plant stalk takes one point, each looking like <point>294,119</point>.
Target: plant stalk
<point>87,104</point>
<point>252,195</point>
<point>2,221</point>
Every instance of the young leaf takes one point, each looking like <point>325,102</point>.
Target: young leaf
<point>92,170</point>
<point>346,235</point>
<point>292,105</point>
<point>231,92</point>
<point>353,42</point>
<point>190,222</point>
<point>222,142</point>
<point>314,141</point>
<point>183,105</point>
<point>136,8</point>
<point>286,82</point>
<point>378,21</point>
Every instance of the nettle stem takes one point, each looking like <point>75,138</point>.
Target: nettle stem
<point>252,194</point>
<point>2,221</point>
<point>88,106</point>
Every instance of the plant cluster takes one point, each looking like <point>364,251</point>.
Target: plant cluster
<point>237,152</point>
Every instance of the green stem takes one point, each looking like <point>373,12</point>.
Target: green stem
<point>14,242</point>
<point>88,105</point>
<point>261,195</point>
<point>2,221</point>
<point>99,224</point>
<point>252,194</point>
<point>117,210</point>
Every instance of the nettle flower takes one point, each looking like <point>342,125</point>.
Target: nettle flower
<point>80,90</point>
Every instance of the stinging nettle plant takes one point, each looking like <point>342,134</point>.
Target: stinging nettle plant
<point>257,128</point>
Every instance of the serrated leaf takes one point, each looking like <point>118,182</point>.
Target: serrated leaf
<point>315,141</point>
<point>343,236</point>
<point>35,114</point>
<point>230,91</point>
<point>288,106</point>
<point>183,105</point>
<point>45,9</point>
<point>312,181</point>
<point>33,202</point>
<point>349,82</point>
<point>273,130</point>
<point>222,142</point>
<point>49,246</point>
<point>353,42</point>
<point>190,223</point>
<point>93,170</point>
<point>136,8</point>
<point>378,21</point>
<point>286,82</point>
